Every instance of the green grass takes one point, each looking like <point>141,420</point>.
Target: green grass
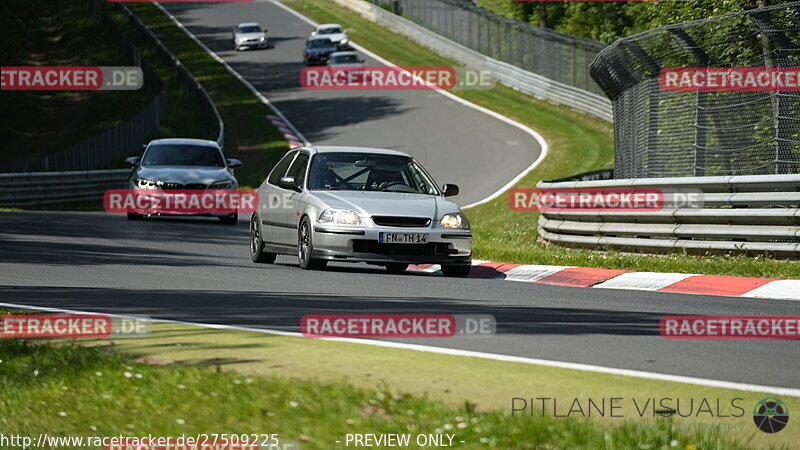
<point>71,390</point>
<point>577,144</point>
<point>249,136</point>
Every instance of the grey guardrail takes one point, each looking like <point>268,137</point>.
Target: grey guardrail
<point>34,189</point>
<point>758,213</point>
<point>528,82</point>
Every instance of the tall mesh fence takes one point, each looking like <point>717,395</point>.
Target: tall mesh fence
<point>661,133</point>
<point>560,57</point>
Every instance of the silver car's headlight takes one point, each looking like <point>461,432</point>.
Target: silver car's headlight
<point>344,41</point>
<point>142,183</point>
<point>339,216</point>
<point>262,39</point>
<point>221,185</point>
<point>455,221</point>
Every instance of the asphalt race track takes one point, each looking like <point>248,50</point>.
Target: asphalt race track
<point>455,143</point>
<point>200,271</point>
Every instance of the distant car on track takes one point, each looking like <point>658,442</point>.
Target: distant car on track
<point>354,204</point>
<point>345,59</point>
<point>335,33</point>
<point>183,164</point>
<point>317,51</point>
<point>249,35</point>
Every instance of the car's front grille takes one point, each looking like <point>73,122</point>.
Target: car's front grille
<point>178,186</point>
<point>401,221</point>
<point>429,249</point>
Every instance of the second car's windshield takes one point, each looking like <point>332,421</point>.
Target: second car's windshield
<point>250,29</point>
<point>333,30</point>
<point>369,172</point>
<point>319,43</point>
<point>182,155</point>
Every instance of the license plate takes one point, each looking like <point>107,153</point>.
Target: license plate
<point>403,238</point>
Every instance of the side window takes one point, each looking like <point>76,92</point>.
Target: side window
<point>298,169</point>
<point>280,168</point>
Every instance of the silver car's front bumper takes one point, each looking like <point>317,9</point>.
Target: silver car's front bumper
<point>356,244</point>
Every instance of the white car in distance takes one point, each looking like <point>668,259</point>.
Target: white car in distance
<point>249,35</point>
<point>335,33</point>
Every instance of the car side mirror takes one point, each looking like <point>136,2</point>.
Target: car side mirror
<point>133,160</point>
<point>450,190</point>
<point>289,183</point>
<point>233,163</point>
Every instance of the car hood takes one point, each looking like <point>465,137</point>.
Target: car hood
<point>389,203</point>
<point>184,174</point>
<point>250,35</point>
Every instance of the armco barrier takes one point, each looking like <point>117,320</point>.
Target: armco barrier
<point>36,189</point>
<point>514,77</point>
<point>753,213</point>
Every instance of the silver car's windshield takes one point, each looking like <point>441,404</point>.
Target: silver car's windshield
<point>182,155</point>
<point>250,29</point>
<point>345,59</point>
<point>332,30</point>
<point>369,172</point>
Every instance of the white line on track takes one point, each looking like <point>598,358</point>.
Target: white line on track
<point>536,136</point>
<point>788,392</point>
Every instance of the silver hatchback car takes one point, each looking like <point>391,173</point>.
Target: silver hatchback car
<point>355,204</point>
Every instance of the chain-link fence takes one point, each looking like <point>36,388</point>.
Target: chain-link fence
<point>554,55</point>
<point>664,133</point>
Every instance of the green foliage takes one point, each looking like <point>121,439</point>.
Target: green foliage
<point>609,21</point>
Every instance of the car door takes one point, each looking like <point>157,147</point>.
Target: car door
<point>289,215</point>
<point>269,198</point>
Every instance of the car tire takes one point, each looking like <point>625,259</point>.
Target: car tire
<point>257,253</point>
<point>134,216</point>
<point>230,219</point>
<point>396,268</point>
<point>305,247</point>
<point>456,270</point>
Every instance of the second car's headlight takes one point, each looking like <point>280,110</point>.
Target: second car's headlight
<point>455,221</point>
<point>344,41</point>
<point>142,183</point>
<point>339,216</point>
<point>262,39</point>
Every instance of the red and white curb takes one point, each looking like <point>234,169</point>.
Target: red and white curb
<point>685,283</point>
<point>291,137</point>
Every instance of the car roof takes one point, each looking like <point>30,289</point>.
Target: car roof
<point>344,54</point>
<point>328,25</point>
<point>346,149</point>
<point>184,141</point>
<point>249,24</point>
